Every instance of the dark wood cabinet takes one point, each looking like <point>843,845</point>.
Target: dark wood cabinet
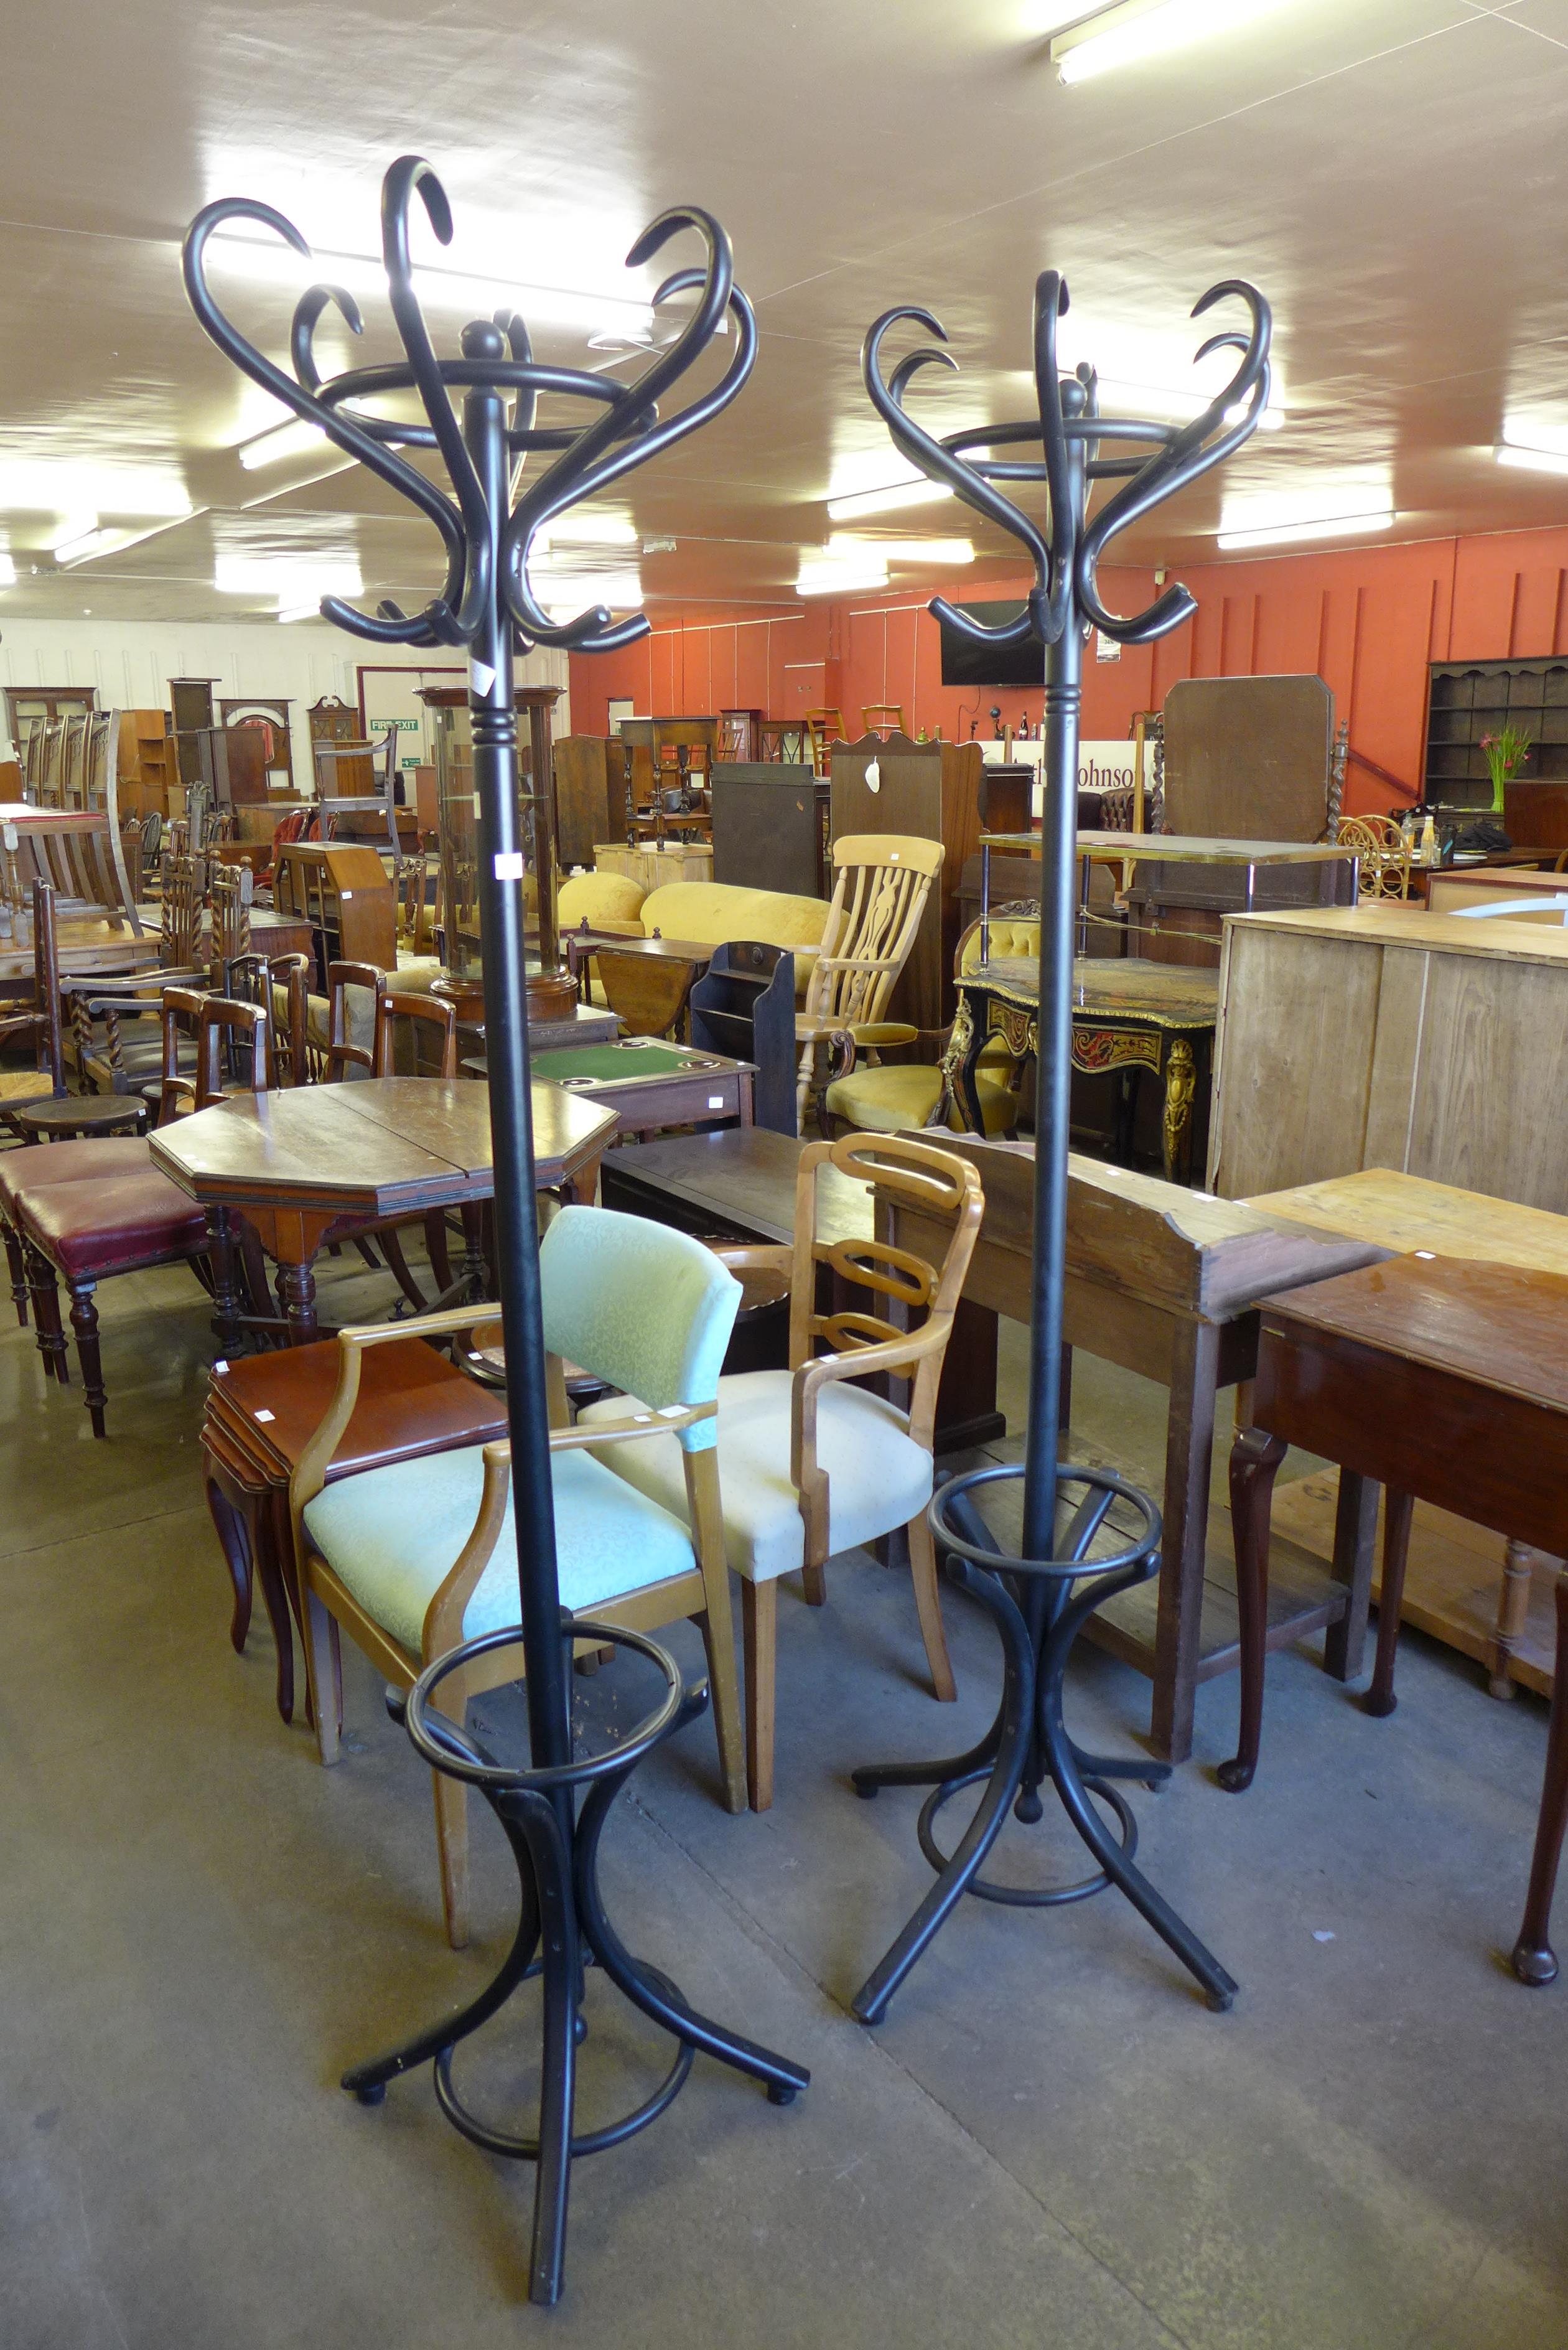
<point>771,827</point>
<point>593,796</point>
<point>1468,699</point>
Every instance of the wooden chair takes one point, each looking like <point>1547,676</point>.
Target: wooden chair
<point>872,1099</point>
<point>36,1020</point>
<point>1384,870</point>
<point>880,887</point>
<point>823,728</point>
<point>414,1558</point>
<point>882,718</point>
<point>809,1463</point>
<point>93,1210</point>
<point>333,804</point>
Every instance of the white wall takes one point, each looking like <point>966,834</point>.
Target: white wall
<point>131,661</point>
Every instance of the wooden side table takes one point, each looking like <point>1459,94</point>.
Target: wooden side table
<point>1412,1216</point>
<point>1166,1283</point>
<point>1442,1379</point>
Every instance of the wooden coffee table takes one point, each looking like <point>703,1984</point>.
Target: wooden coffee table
<point>317,1163</point>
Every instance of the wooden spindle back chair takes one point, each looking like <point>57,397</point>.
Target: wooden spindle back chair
<point>881,883</point>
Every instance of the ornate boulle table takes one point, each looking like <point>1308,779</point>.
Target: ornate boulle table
<point>1127,1014</point>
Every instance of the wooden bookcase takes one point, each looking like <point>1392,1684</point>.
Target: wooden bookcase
<point>146,766</point>
<point>1470,699</point>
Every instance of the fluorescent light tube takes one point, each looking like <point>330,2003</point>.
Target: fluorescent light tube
<point>1145,28</point>
<point>1164,403</point>
<point>294,439</point>
<point>825,575</point>
<point>588,530</point>
<point>891,500</point>
<point>7,571</point>
<point>288,612</point>
<point>1532,461</point>
<point>289,580</point>
<point>621,591</point>
<point>362,275</point>
<point>1326,526</point>
<point>844,546</point>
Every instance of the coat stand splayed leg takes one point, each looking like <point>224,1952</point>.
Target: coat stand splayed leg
<point>554,1811</point>
<point>1040,1596</point>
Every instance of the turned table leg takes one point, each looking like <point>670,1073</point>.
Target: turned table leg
<point>1398,1508</point>
<point>1534,1960</point>
<point>1188,1451</point>
<point>297,1295</point>
<point>1255,1459</point>
<point>1513,1610</point>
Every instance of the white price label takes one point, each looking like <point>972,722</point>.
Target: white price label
<point>509,865</point>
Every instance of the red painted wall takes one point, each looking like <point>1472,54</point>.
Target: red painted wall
<point>1368,620</point>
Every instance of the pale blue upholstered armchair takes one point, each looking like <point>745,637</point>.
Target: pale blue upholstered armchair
<point>811,1463</point>
<point>417,1556</point>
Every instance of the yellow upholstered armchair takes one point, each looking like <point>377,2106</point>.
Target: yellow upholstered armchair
<point>891,1100</point>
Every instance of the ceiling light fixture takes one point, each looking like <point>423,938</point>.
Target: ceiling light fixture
<point>364,274</point>
<point>1532,461</point>
<point>71,490</point>
<point>292,582</point>
<point>1286,534</point>
<point>618,591</point>
<point>844,545</point>
<point>588,530</point>
<point>1134,29</point>
<point>890,500</point>
<point>7,571</point>
<point>294,439</point>
<point>1164,402</point>
<point>828,574</point>
<point>84,545</point>
<point>288,612</point>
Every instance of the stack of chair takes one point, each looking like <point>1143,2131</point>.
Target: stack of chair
<point>260,1414</point>
<point>85,1210</point>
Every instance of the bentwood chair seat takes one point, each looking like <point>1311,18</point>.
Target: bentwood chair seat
<point>416,1557</point>
<point>809,1464</point>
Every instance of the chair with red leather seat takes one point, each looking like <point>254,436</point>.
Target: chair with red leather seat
<point>126,1217</point>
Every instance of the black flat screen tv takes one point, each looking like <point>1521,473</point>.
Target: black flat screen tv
<point>966,663</point>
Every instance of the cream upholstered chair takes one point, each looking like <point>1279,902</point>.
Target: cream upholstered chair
<point>881,882</point>
<point>892,1098</point>
<point>809,1464</point>
<point>417,1556</point>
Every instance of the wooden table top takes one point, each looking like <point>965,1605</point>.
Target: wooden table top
<point>746,1175</point>
<point>1388,923</point>
<point>1173,994</point>
<point>1494,1325</point>
<point>1179,847</point>
<point>373,1148</point>
<point>1158,1242</point>
<point>1408,1215</point>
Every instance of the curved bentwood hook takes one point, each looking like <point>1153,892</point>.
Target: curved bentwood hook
<point>497,357</point>
<point>1066,554</point>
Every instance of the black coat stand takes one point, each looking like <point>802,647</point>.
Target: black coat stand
<point>1040,1596</point>
<point>554,1811</point>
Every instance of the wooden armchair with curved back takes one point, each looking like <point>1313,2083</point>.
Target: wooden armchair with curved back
<point>810,1462</point>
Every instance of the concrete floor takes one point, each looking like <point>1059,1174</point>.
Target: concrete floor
<point>1049,2140</point>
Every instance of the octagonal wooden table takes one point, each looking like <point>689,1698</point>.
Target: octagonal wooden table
<point>316,1164</point>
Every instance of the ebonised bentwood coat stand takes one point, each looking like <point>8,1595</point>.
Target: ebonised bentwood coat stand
<point>488,524</point>
<point>1040,1596</point>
